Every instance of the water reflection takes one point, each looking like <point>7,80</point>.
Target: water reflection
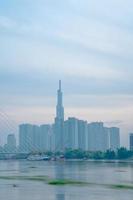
<point>60,196</point>
<point>60,174</point>
<point>94,172</point>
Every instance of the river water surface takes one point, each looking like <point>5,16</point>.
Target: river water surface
<point>98,173</point>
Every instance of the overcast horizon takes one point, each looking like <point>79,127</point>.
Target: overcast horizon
<point>88,45</point>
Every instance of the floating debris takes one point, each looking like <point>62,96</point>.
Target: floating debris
<point>14,185</point>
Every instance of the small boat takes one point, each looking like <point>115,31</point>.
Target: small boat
<point>53,159</point>
<point>46,158</point>
<point>38,158</point>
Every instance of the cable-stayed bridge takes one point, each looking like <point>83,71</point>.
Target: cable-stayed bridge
<point>8,133</point>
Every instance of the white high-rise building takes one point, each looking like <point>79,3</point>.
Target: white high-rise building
<point>82,135</point>
<point>106,139</point>
<point>98,139</point>
<point>33,138</point>
<point>11,143</point>
<point>25,138</point>
<point>71,133</point>
<point>52,138</point>
<point>114,138</point>
<point>45,136</point>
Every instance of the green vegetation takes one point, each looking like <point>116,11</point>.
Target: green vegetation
<point>28,178</point>
<point>109,154</point>
<point>74,154</point>
<point>121,153</point>
<point>64,182</point>
<point>127,187</point>
<point>44,179</point>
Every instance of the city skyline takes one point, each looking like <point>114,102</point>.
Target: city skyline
<point>71,133</point>
<point>59,113</point>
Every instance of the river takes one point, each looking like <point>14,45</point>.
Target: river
<point>101,174</point>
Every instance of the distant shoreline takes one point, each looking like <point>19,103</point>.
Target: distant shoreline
<point>75,160</point>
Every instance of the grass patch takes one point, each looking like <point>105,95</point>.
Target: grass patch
<point>44,179</point>
<point>127,187</point>
<point>62,182</point>
<point>65,182</point>
<point>28,178</point>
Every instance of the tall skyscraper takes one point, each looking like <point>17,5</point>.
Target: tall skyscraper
<point>131,141</point>
<point>59,121</point>
<point>59,107</point>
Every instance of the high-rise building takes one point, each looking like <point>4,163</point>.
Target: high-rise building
<point>33,138</point>
<point>71,133</point>
<point>45,137</point>
<point>29,138</point>
<point>82,135</point>
<point>75,134</point>
<point>59,121</point>
<point>59,107</point>
<point>26,138</point>
<point>131,141</point>
<point>52,138</point>
<point>11,143</point>
<point>106,139</point>
<point>114,138</point>
<point>97,137</point>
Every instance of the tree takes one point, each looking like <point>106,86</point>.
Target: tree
<point>123,153</point>
<point>109,154</point>
<point>98,155</point>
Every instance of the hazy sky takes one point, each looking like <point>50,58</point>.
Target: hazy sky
<point>87,44</point>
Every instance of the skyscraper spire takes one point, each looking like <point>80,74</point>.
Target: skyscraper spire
<point>59,107</point>
<point>59,121</point>
<point>60,85</point>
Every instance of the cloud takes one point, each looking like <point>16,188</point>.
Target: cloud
<point>7,23</point>
<point>114,123</point>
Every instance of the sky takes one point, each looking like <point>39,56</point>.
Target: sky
<point>87,44</point>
